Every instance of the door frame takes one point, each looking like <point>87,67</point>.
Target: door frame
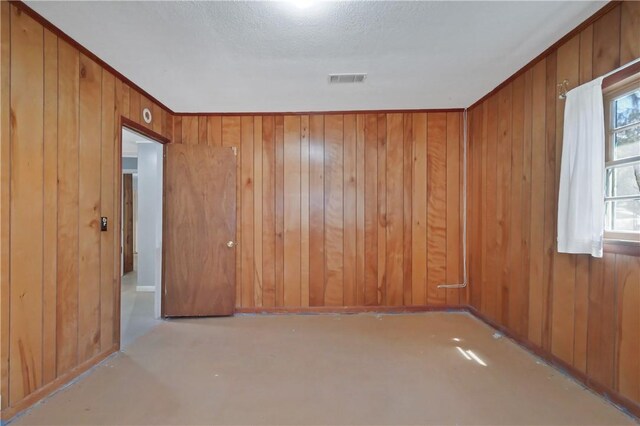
<point>127,123</point>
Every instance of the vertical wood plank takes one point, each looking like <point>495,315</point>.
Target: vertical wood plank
<point>117,219</point>
<point>50,237</point>
<point>157,118</point>
<point>304,210</point>
<point>606,42</point>
<point>503,198</point>
<point>26,205</point>
<point>382,209</point>
<point>628,324</point>
<point>629,31</point>
<point>214,130</point>
<point>515,221</point>
<point>395,206</point>
<point>523,305</point>
<point>190,129</point>
<point>350,210</point>
<point>257,210</point>
<point>135,110</point>
<point>203,130</point>
<point>602,321</point>
<point>292,210</point>
<point>491,283</point>
<point>125,107</point>
<point>68,204</point>
<point>89,226</point>
<point>334,212</point>
<point>537,202</point>
<point>177,129</point>
<point>407,208</point>
<point>279,259</point>
<point>419,211</point>
<point>371,219</point>
<point>454,162</point>
<point>5,186</point>
<point>436,206</point>
<point>550,211</point>
<point>360,209</point>
<point>246,244</point>
<point>484,221</point>
<point>268,212</point>
<point>316,210</point>
<point>109,205</point>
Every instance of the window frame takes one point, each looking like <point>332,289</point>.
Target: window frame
<point>610,95</point>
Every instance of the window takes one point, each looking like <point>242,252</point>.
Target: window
<point>622,184</point>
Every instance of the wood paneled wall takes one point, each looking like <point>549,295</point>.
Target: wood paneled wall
<point>582,310</point>
<point>343,209</point>
<point>59,172</point>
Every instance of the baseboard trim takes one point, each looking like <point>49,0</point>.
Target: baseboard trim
<point>318,310</point>
<point>146,288</point>
<point>29,401</point>
<point>623,403</point>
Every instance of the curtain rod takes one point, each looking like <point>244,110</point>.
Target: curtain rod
<point>563,87</point>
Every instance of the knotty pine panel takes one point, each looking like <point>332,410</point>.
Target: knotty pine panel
<point>575,308</point>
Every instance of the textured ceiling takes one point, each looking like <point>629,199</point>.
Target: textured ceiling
<point>275,56</point>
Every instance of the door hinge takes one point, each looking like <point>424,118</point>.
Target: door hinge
<point>235,150</point>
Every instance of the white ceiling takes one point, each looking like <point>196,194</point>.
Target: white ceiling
<point>275,56</point>
<point>130,141</point>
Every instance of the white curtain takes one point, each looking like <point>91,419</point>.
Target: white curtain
<point>581,195</point>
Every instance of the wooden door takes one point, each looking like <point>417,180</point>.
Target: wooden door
<point>200,229</point>
<point>127,223</point>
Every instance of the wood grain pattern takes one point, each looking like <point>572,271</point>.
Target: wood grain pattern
<point>437,206</point>
<point>27,210</point>
<point>109,174</point>
<point>334,212</point>
<point>5,191</point>
<point>246,247</point>
<point>89,195</point>
<point>50,231</point>
<point>394,210</point>
<point>257,210</point>
<point>59,172</point>
<point>268,212</point>
<point>419,211</point>
<point>127,223</point>
<point>350,209</point>
<point>200,217</point>
<point>335,207</point>
<point>292,193</point>
<point>573,308</point>
<point>316,210</point>
<point>68,204</point>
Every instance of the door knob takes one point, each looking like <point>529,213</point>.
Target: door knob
<point>230,244</point>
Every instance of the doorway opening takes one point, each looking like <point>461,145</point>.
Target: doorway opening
<point>141,235</point>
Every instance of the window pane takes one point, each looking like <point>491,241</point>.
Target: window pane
<point>627,143</point>
<point>627,109</point>
<point>623,180</point>
<point>623,216</point>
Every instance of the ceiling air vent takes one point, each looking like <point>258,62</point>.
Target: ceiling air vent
<point>346,78</point>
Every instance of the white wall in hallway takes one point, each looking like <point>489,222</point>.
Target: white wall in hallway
<point>150,218</point>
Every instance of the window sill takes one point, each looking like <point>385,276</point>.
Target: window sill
<point>626,247</point>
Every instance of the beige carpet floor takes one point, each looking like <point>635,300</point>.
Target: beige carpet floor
<point>433,368</point>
